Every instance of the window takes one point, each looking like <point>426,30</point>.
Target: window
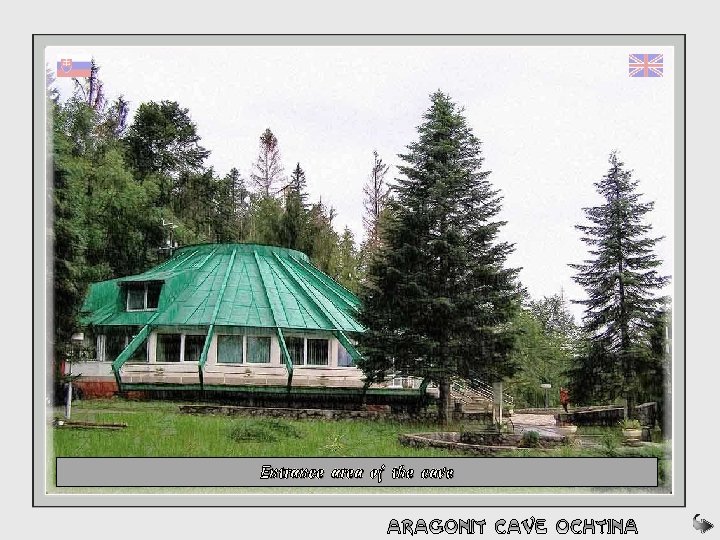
<point>143,296</point>
<point>193,348</point>
<point>258,350</point>
<point>296,349</point>
<point>114,345</point>
<point>168,348</point>
<point>135,298</point>
<point>308,351</point>
<point>317,352</point>
<point>153,295</point>
<point>179,347</point>
<point>230,349</point>
<point>109,346</point>
<point>344,358</point>
<point>140,354</point>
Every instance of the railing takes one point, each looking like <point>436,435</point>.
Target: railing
<point>468,390</point>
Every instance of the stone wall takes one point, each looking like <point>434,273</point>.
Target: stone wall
<point>608,416</point>
<point>598,417</point>
<point>647,414</point>
<point>369,413</point>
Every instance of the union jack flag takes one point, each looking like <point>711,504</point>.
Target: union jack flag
<point>646,65</point>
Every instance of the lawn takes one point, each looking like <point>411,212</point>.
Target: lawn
<point>158,429</point>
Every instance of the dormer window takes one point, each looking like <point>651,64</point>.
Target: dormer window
<point>143,296</point>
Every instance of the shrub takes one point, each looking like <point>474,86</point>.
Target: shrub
<point>530,439</point>
<point>628,423</point>
<point>609,445</point>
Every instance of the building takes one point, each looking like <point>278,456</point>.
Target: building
<point>258,322</point>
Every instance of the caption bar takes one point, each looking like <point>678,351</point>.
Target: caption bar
<point>356,472</point>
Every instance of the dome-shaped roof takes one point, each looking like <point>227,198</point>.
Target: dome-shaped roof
<point>246,285</point>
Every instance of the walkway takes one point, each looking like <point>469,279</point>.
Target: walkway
<point>544,424</point>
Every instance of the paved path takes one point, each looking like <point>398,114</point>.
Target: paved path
<point>544,424</point>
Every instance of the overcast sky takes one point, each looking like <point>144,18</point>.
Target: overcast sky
<point>548,118</point>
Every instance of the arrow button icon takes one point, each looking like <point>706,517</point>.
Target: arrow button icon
<point>701,525</point>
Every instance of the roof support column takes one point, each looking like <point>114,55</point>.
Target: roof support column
<point>211,327</point>
<point>281,338</point>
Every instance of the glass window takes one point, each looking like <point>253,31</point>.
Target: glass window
<point>142,296</point>
<point>230,349</point>
<point>153,295</point>
<point>193,348</point>
<point>344,358</point>
<point>317,352</point>
<point>114,345</point>
<point>136,297</point>
<point>168,348</point>
<point>141,353</point>
<point>296,349</point>
<point>258,350</point>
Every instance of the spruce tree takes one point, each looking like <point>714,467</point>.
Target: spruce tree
<point>267,169</point>
<point>294,224</point>
<point>376,193</point>
<point>438,301</point>
<point>622,284</point>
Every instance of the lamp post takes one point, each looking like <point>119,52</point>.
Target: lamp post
<point>76,340</point>
<point>546,387</point>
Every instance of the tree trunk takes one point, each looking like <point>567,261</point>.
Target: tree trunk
<point>444,406</point>
<point>631,402</point>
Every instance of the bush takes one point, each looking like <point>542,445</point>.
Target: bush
<point>628,423</point>
<point>609,445</point>
<point>530,439</point>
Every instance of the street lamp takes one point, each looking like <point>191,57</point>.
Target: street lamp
<point>76,340</point>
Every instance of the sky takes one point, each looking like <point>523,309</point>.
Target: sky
<point>548,118</point>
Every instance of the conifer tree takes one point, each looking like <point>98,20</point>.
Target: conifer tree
<point>267,170</point>
<point>294,224</point>
<point>240,199</point>
<point>622,284</point>
<point>376,193</point>
<point>163,139</point>
<point>438,301</point>
<point>348,261</point>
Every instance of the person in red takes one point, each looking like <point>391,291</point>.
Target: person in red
<point>564,398</point>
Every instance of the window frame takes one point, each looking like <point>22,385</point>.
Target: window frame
<point>183,347</point>
<point>327,353</point>
<point>181,359</point>
<point>146,285</point>
<point>101,342</point>
<point>157,344</point>
<point>245,351</point>
<point>242,349</point>
<point>340,348</point>
<point>244,361</point>
<point>304,350</point>
<point>305,339</point>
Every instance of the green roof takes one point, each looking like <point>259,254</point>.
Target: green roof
<point>231,285</point>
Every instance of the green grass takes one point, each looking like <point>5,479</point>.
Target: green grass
<point>160,430</point>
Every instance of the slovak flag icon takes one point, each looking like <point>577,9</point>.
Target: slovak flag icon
<point>67,67</point>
